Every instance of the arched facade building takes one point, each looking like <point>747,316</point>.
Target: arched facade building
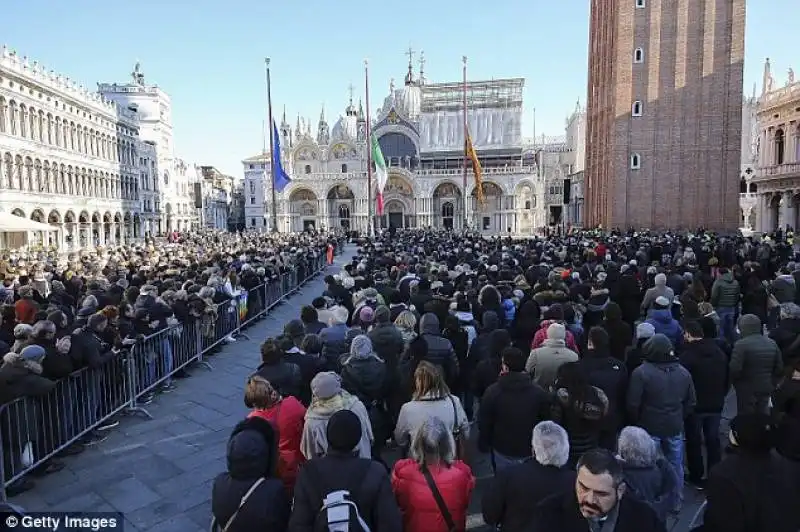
<point>68,158</point>
<point>775,189</point>
<point>420,132</point>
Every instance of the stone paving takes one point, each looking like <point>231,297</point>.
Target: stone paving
<point>159,472</point>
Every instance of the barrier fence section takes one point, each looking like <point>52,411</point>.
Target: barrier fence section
<point>34,429</point>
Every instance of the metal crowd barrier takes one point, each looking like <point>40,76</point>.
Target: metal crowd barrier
<point>36,429</point>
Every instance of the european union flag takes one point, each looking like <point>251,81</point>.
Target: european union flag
<point>281,178</point>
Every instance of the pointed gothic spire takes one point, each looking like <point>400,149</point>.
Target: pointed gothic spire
<point>360,110</point>
<point>766,84</point>
<point>410,75</point>
<point>421,67</point>
<point>322,114</point>
<point>298,131</point>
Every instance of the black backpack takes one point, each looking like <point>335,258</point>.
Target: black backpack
<point>339,511</point>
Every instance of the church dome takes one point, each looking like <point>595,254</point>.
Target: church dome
<point>345,128</point>
<point>410,102</point>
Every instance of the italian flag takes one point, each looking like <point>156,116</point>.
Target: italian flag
<point>381,174</point>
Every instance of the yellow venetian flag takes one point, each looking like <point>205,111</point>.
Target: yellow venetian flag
<point>476,169</point>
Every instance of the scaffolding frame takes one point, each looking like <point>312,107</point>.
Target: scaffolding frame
<point>487,94</point>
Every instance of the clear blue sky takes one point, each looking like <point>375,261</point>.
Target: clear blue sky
<point>208,54</point>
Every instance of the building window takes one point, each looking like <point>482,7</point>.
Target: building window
<point>251,167</point>
<point>780,145</point>
<point>640,4</point>
<point>637,108</point>
<point>252,222</point>
<point>308,169</point>
<point>638,55</point>
<point>252,187</point>
<point>252,200</point>
<point>636,161</point>
<point>344,168</point>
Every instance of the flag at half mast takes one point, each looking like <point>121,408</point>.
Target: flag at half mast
<point>477,171</point>
<point>381,174</point>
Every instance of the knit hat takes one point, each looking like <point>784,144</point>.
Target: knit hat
<point>658,347</point>
<point>343,431</point>
<point>325,385</point>
<point>645,330</point>
<point>361,347</point>
<point>366,315</point>
<point>662,302</point>
<point>382,314</point>
<point>22,330</point>
<point>35,353</point>
<point>556,331</point>
<point>753,432</point>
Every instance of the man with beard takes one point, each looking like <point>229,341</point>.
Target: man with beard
<point>598,503</point>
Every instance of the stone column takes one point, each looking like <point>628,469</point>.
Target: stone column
<point>760,213</point>
<point>787,210</point>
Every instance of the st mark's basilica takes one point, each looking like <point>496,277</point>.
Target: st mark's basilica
<point>419,128</point>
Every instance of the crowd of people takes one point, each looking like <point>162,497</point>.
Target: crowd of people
<point>592,369</point>
<point>69,324</point>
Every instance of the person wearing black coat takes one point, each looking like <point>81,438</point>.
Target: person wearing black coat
<point>252,463</point>
<point>310,365</point>
<point>366,481</point>
<point>285,377</point>
<point>386,338</point>
<point>629,293</point>
<point>310,319</point>
<point>488,370</point>
<point>509,410</point>
<point>787,333</point>
<point>88,348</point>
<point>620,333</point>
<point>511,499</point>
<point>708,367</point>
<point>440,350</point>
<point>752,488</point>
<point>599,496</point>
<point>609,374</point>
<point>459,339</point>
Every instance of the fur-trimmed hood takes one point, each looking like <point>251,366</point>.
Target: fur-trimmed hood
<point>253,449</point>
<point>16,360</point>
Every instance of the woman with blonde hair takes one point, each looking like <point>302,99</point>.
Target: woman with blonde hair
<point>432,487</point>
<point>287,416</point>
<point>432,399</point>
<point>406,322</point>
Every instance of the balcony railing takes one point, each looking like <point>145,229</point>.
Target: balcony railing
<point>779,170</point>
<point>336,176</point>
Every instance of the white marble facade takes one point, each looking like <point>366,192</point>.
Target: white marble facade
<point>68,158</point>
<point>776,190</point>
<point>422,145</point>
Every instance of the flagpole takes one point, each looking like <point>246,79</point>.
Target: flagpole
<point>464,175</point>
<point>271,148</point>
<point>371,223</point>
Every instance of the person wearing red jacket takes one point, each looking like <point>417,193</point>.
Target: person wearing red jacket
<point>287,416</point>
<point>554,314</point>
<point>432,488</point>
